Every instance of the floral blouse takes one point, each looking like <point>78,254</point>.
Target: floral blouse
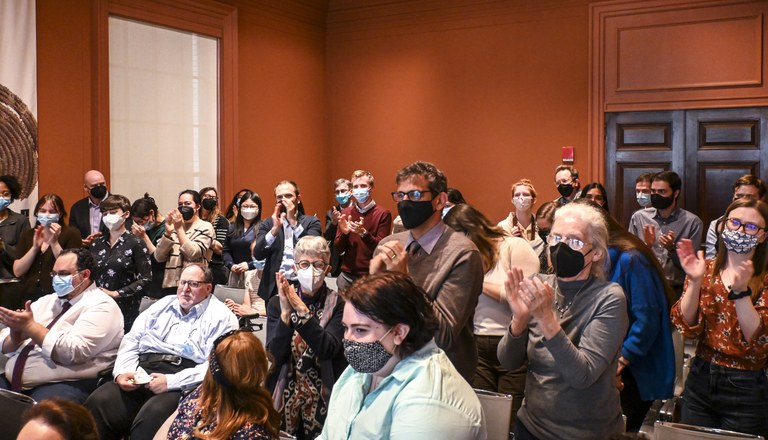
<point>717,328</point>
<point>190,416</point>
<point>124,268</point>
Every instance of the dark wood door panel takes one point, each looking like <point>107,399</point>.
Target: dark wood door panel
<point>714,188</point>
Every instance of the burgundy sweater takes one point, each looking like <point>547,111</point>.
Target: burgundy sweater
<point>357,252</point>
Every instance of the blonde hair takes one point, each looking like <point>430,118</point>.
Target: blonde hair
<point>363,173</point>
<point>312,246</point>
<point>524,182</point>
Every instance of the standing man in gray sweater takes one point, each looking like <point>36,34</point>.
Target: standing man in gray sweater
<point>445,263</point>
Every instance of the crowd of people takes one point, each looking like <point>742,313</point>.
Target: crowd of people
<point>556,304</point>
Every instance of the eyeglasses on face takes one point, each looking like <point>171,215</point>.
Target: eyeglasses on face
<point>573,243</point>
<point>319,264</point>
<point>192,283</point>
<point>735,224</point>
<point>414,195</point>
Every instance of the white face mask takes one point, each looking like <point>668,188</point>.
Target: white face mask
<point>113,221</point>
<point>522,202</point>
<point>249,213</point>
<point>310,279</point>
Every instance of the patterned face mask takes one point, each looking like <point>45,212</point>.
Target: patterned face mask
<point>738,242</point>
<point>366,357</point>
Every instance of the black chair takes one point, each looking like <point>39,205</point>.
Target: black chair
<point>12,406</point>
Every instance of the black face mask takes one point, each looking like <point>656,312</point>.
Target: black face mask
<point>209,204</point>
<point>566,262</point>
<point>543,234</point>
<point>565,189</point>
<point>187,212</point>
<point>660,202</point>
<point>414,214</point>
<point>98,192</point>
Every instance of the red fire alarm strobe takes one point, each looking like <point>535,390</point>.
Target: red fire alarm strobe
<point>568,154</point>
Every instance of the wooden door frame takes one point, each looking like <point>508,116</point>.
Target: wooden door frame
<point>203,17</point>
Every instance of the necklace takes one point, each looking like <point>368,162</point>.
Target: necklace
<point>562,308</point>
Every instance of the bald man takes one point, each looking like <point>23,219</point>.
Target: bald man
<point>85,214</point>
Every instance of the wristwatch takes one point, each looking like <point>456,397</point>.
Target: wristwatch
<point>300,319</point>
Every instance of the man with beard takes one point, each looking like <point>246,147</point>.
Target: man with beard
<point>665,224</point>
<point>445,263</point>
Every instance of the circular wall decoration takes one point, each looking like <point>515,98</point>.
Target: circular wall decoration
<point>18,141</point>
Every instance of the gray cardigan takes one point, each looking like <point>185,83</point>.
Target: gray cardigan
<point>570,389</point>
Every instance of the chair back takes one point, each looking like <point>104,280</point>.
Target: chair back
<point>679,431</point>
<point>12,406</point>
<point>497,413</point>
<point>223,292</point>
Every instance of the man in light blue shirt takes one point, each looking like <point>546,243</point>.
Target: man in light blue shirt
<point>170,341</point>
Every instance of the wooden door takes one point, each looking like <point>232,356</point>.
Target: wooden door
<point>709,149</point>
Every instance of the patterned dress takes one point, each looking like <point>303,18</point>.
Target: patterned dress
<point>190,417</point>
<point>124,268</point>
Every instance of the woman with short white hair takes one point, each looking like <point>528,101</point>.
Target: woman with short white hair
<point>569,327</point>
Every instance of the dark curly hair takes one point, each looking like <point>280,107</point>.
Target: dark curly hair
<point>14,187</point>
<point>392,298</point>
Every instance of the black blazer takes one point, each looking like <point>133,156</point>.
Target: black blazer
<point>273,255</point>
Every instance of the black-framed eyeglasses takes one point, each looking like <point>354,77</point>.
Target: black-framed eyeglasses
<point>319,264</point>
<point>414,195</point>
<point>226,335</point>
<point>211,198</point>
<point>735,224</point>
<point>192,283</point>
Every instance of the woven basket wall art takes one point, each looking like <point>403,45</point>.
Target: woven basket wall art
<point>18,141</point>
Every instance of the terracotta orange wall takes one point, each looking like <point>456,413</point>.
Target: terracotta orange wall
<point>281,99</point>
<point>490,98</point>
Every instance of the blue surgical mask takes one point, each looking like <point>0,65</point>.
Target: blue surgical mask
<point>62,285</point>
<point>47,219</point>
<point>361,194</point>
<point>343,199</point>
<point>644,199</point>
<point>4,202</point>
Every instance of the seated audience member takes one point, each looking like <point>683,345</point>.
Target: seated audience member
<point>499,252</point>
<point>647,359</point>
<point>746,186</point>
<point>232,402</point>
<point>39,247</point>
<point>233,207</point>
<point>362,225</point>
<point>58,344</point>
<point>123,269</point>
<point>595,192</point>
<point>241,235</point>
<point>665,224</point>
<point>304,334</point>
<point>545,216</point>
<point>209,211</point>
<point>12,225</point>
<point>278,235</point>
<point>343,193</point>
<point>445,263</point>
<point>723,307</point>
<point>57,419</point>
<point>399,383</point>
<point>569,328</point>
<point>252,303</point>
<point>170,341</point>
<point>521,222</point>
<point>643,190</point>
<point>85,215</point>
<point>187,240</point>
<point>149,226</point>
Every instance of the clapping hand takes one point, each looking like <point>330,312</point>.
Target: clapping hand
<point>691,261</point>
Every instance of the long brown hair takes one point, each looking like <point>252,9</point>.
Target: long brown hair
<point>242,399</point>
<point>484,234</point>
<point>758,258</point>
